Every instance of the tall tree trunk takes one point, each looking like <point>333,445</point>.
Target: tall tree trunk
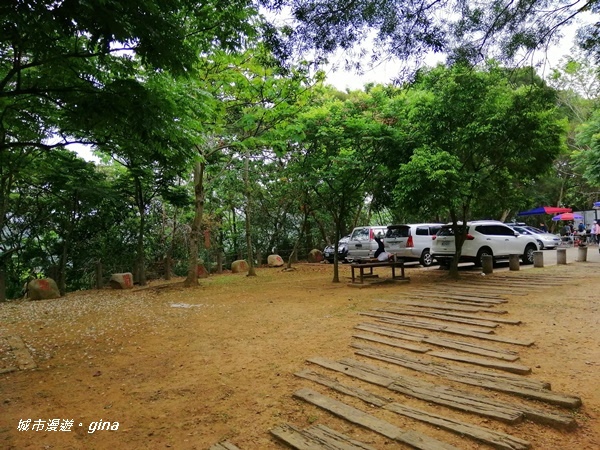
<point>251,268</point>
<point>236,244</point>
<point>192,276</point>
<point>170,251</point>
<point>2,283</point>
<point>220,251</point>
<point>141,259</point>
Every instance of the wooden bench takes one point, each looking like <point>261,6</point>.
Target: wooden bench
<point>362,265</point>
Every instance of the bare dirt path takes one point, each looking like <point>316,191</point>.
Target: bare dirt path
<point>187,368</point>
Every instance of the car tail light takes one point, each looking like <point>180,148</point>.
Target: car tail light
<point>469,237</point>
<point>409,243</point>
<point>371,234</point>
<point>433,237</point>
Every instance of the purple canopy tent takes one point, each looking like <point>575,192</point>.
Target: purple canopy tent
<point>545,210</point>
<point>568,216</point>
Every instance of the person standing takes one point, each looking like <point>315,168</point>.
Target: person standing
<point>543,227</point>
<point>597,231</point>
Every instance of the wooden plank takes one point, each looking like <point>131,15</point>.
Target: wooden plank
<point>454,330</point>
<point>410,312</point>
<point>365,396</point>
<point>458,293</point>
<point>225,445</point>
<point>473,347</point>
<point>391,332</point>
<point>334,440</point>
<point>379,379</point>
<point>409,347</point>
<point>413,387</point>
<point>426,325</point>
<point>457,400</point>
<point>24,358</point>
<point>295,437</point>
<point>440,312</point>
<point>468,347</point>
<point>465,401</point>
<point>494,438</point>
<point>544,395</point>
<point>494,338</point>
<point>508,367</point>
<point>452,371</point>
<point>351,414</point>
<point>317,437</point>
<point>444,306</point>
<point>466,298</point>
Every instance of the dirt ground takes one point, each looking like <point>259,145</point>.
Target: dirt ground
<point>187,368</point>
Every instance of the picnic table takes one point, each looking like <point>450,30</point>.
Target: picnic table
<point>370,264</point>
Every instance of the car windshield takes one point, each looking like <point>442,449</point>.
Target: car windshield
<point>522,230</point>
<point>536,230</point>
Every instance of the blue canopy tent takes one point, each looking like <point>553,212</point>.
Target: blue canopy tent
<point>545,210</point>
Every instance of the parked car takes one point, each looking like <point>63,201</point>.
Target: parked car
<point>362,241</point>
<point>412,241</point>
<point>329,251</point>
<point>544,239</point>
<point>484,237</point>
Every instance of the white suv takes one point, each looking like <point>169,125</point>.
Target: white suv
<point>412,241</point>
<point>362,242</point>
<point>484,237</point>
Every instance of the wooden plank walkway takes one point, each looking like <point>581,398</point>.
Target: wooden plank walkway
<point>414,323</point>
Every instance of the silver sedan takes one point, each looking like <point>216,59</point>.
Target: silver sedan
<point>544,239</point>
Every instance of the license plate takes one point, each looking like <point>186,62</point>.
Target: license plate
<point>445,243</point>
<point>327,254</point>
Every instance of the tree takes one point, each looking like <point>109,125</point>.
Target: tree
<point>475,139</point>
<point>255,99</point>
<point>408,30</point>
<point>587,158</point>
<point>339,156</point>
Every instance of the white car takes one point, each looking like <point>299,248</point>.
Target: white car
<point>412,241</point>
<point>544,239</point>
<point>484,237</point>
<point>362,244</point>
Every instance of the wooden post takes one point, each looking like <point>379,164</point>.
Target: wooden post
<point>514,262</point>
<point>561,256</point>
<point>487,264</point>
<point>538,259</point>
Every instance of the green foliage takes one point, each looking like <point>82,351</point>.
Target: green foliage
<point>475,139</point>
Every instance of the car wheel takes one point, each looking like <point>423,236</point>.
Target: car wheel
<point>426,259</point>
<point>540,245</point>
<point>528,255</point>
<point>484,251</point>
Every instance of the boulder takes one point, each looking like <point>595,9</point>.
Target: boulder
<point>315,256</point>
<point>202,272</point>
<point>239,266</point>
<point>275,261</point>
<point>121,280</point>
<point>42,289</point>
